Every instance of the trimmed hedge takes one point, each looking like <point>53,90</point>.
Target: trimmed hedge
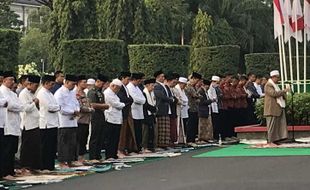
<point>215,60</point>
<point>93,56</point>
<point>148,58</point>
<point>301,109</point>
<point>263,63</point>
<point>9,46</point>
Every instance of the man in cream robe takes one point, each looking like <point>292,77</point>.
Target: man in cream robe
<point>274,109</point>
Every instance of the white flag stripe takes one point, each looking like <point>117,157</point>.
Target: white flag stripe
<point>307,18</point>
<point>277,16</point>
<point>287,14</point>
<point>296,14</point>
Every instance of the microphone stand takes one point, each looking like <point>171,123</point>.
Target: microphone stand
<point>293,117</point>
<point>293,140</point>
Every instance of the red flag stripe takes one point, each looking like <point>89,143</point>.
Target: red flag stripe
<point>278,6</point>
<point>300,24</point>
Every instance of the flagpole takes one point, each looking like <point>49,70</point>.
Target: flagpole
<point>291,61</point>
<point>297,53</point>
<point>281,62</point>
<point>305,61</point>
<point>284,58</point>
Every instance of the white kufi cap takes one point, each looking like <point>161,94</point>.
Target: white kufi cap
<point>183,80</point>
<point>91,81</point>
<point>274,73</point>
<point>215,78</point>
<point>117,82</point>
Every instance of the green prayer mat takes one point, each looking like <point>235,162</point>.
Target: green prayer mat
<point>241,150</point>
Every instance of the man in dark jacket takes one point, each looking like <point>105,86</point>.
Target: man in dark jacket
<point>127,142</point>
<point>163,102</point>
<point>204,113</point>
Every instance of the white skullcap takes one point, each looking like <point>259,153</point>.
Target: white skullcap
<point>215,78</point>
<point>183,80</point>
<point>91,81</point>
<point>274,73</point>
<point>117,82</point>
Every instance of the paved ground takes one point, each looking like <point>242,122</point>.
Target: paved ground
<point>187,173</point>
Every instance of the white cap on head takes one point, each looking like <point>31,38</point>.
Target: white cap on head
<point>274,73</point>
<point>91,81</point>
<point>215,78</point>
<point>183,80</point>
<point>117,82</point>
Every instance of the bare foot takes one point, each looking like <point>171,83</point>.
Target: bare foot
<point>63,165</point>
<point>8,177</point>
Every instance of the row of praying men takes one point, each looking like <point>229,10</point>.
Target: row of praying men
<point>127,115</point>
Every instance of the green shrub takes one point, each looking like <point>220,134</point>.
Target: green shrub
<point>148,58</point>
<point>263,63</point>
<point>90,56</point>
<point>215,60</point>
<point>9,45</point>
<point>301,109</point>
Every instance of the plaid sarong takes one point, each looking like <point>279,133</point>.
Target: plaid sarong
<point>163,124</point>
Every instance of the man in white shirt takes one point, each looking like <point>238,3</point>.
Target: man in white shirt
<point>3,105</point>
<point>67,132</point>
<point>49,122</point>
<point>137,106</point>
<point>257,84</point>
<point>114,118</point>
<point>30,155</point>
<point>12,125</point>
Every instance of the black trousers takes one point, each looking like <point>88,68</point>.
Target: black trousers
<point>112,134</point>
<point>216,125</point>
<point>30,152</point>
<point>225,124</point>
<point>67,144</point>
<point>48,148</point>
<point>138,132</point>
<point>97,139</point>
<point>192,127</point>
<point>1,151</point>
<point>185,120</point>
<point>83,132</point>
<point>10,147</point>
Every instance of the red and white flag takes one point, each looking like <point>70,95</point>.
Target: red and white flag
<point>287,14</point>
<point>278,19</point>
<point>297,16</point>
<point>307,18</point>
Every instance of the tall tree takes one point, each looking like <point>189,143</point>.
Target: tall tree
<point>71,19</point>
<point>202,26</point>
<point>47,3</point>
<point>8,19</point>
<point>168,19</point>
<point>250,21</point>
<point>141,24</point>
<point>40,19</point>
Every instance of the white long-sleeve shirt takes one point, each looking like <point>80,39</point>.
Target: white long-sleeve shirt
<point>48,109</point>
<point>30,116</point>
<point>114,113</point>
<point>212,95</point>
<point>3,101</point>
<point>184,102</point>
<point>138,101</point>
<point>12,116</point>
<point>259,89</point>
<point>68,103</point>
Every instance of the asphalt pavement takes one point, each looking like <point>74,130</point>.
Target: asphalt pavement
<point>187,173</point>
